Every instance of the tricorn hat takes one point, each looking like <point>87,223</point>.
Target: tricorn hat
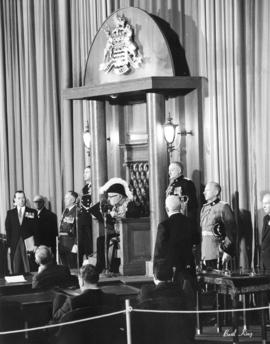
<point>117,188</point>
<point>117,185</point>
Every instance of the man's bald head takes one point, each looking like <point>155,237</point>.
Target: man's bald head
<point>172,204</point>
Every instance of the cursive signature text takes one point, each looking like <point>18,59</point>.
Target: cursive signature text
<point>244,333</point>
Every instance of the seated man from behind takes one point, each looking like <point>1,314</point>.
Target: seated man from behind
<point>91,295</point>
<point>50,274</point>
<point>165,295</point>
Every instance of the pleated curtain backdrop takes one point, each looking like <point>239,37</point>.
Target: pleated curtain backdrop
<point>44,47</point>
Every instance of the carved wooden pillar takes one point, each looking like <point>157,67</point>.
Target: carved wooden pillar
<point>158,161</point>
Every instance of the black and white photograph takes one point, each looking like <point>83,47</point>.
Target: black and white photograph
<point>134,171</point>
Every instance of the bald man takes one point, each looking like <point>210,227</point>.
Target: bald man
<point>265,246</point>
<point>175,238</point>
<point>218,228</point>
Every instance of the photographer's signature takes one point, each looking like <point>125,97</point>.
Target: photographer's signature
<point>244,333</point>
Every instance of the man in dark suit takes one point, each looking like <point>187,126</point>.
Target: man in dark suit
<point>20,228</point>
<point>85,240</point>
<point>265,246</point>
<point>90,302</point>
<point>49,274</point>
<point>46,231</point>
<point>175,239</point>
<point>91,294</point>
<point>164,295</point>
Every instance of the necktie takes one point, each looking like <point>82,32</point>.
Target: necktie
<point>20,216</point>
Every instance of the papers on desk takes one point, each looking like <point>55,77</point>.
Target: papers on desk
<point>15,279</point>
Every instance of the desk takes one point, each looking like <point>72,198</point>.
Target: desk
<point>33,298</point>
<point>235,285</point>
<point>35,308</point>
<point>16,288</point>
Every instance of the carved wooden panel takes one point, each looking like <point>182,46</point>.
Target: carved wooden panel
<point>138,172</point>
<point>135,246</point>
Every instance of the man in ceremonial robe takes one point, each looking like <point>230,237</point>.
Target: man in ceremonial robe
<point>117,203</point>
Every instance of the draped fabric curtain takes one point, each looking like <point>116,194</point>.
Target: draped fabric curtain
<point>44,48</point>
<point>29,125</point>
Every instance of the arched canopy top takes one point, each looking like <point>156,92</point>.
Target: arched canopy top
<point>132,44</point>
<point>134,53</point>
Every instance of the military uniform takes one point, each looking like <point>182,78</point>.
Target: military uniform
<point>218,230</point>
<point>68,237</point>
<point>85,224</point>
<point>184,187</point>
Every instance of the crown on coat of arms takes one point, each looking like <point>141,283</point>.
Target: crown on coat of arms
<point>121,53</point>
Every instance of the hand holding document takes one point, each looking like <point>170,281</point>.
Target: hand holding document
<point>29,244</point>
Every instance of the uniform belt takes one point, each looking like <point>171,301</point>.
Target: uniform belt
<point>63,234</point>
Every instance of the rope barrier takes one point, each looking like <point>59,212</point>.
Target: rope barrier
<point>62,324</point>
<point>203,311</point>
<point>130,309</point>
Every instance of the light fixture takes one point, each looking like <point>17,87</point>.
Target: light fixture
<point>169,129</point>
<point>87,138</point>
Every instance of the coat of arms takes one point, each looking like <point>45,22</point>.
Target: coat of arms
<point>121,52</point>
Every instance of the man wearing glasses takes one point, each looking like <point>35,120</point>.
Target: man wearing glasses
<point>117,203</point>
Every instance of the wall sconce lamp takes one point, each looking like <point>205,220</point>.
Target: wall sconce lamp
<point>169,129</point>
<point>87,138</point>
